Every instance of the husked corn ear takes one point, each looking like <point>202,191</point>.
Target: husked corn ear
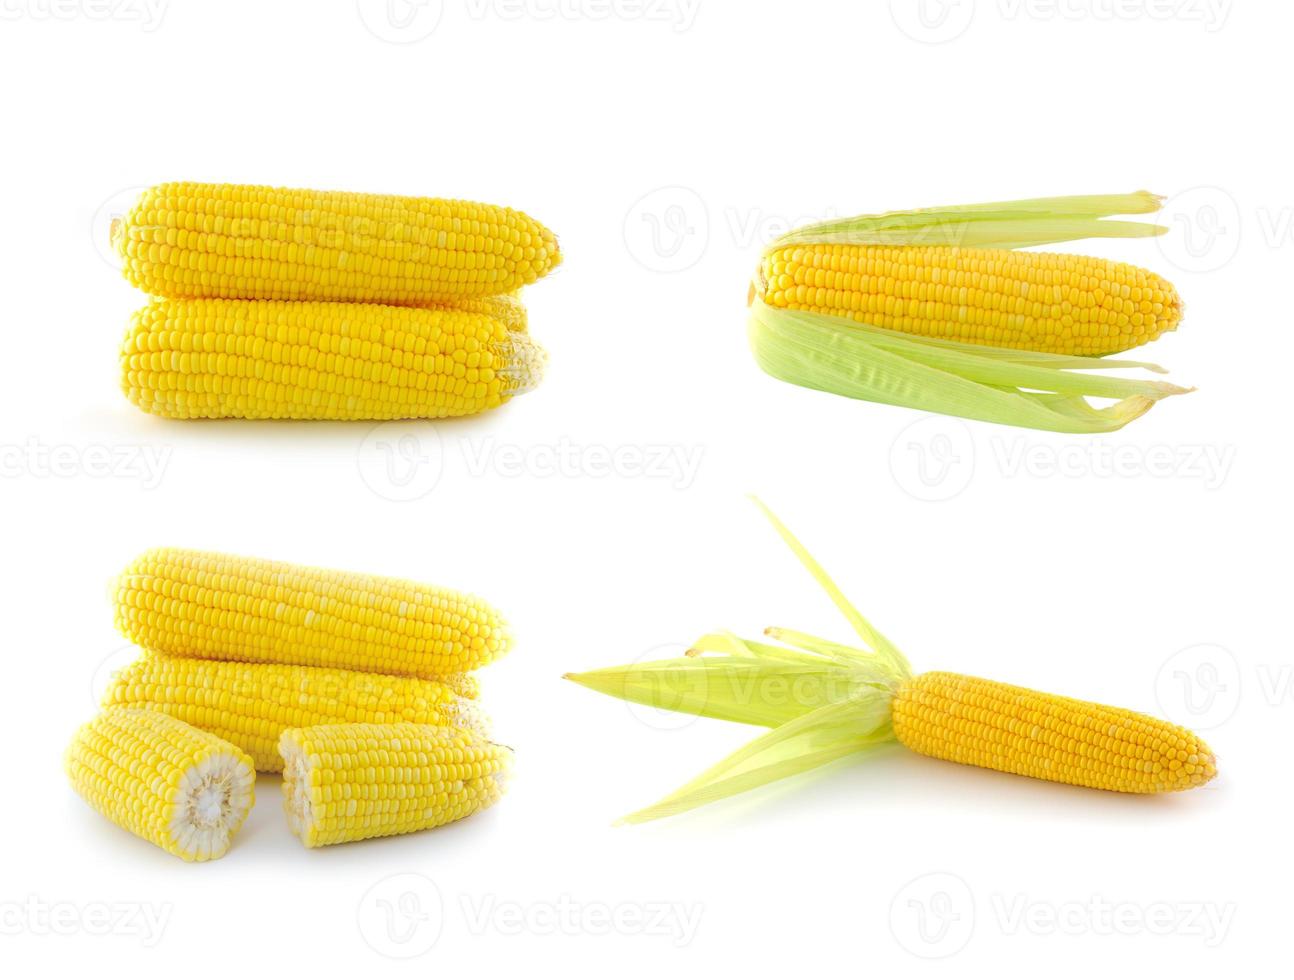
<point>184,790</point>
<point>250,705</point>
<point>350,782</point>
<point>217,358</point>
<point>1036,301</point>
<point>225,607</point>
<point>232,241</point>
<point>1013,729</point>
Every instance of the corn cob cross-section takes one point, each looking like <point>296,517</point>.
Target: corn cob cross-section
<point>823,701</point>
<point>233,241</point>
<point>220,358</point>
<point>185,790</point>
<point>250,705</point>
<point>204,604</point>
<point>350,782</point>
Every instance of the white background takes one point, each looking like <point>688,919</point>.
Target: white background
<point>1157,582</point>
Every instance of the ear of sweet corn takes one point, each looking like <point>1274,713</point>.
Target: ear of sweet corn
<point>250,705</point>
<point>233,241</point>
<point>185,790</point>
<point>823,701</point>
<point>216,358</point>
<point>1035,301</point>
<point>351,782</point>
<point>226,607</point>
<point>932,310</point>
<point>1016,730</point>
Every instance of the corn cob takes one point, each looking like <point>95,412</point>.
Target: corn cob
<point>350,782</point>
<point>231,241</point>
<point>184,790</point>
<point>224,607</point>
<point>218,358</point>
<point>1012,729</point>
<point>824,701</point>
<point>1035,301</point>
<point>251,705</point>
<point>934,309</point>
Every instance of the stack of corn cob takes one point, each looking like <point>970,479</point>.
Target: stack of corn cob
<point>936,309</point>
<point>289,304</point>
<point>359,689</point>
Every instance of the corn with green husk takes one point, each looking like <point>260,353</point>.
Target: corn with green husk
<point>823,701</point>
<point>935,309</point>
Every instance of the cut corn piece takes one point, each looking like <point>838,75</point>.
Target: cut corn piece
<point>217,358</point>
<point>1016,730</point>
<point>1036,301</point>
<point>350,782</point>
<point>224,607</point>
<point>251,705</point>
<point>234,241</point>
<point>184,790</point>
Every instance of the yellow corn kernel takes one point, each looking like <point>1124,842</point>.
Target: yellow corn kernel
<point>1038,301</point>
<point>232,241</point>
<point>251,705</point>
<point>350,782</point>
<point>507,309</point>
<point>216,358</point>
<point>184,790</point>
<point>1013,729</point>
<point>225,607</point>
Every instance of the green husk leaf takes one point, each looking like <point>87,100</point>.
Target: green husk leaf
<point>1000,224</point>
<point>822,700</point>
<point>829,733</point>
<point>753,692</point>
<point>1028,389</point>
